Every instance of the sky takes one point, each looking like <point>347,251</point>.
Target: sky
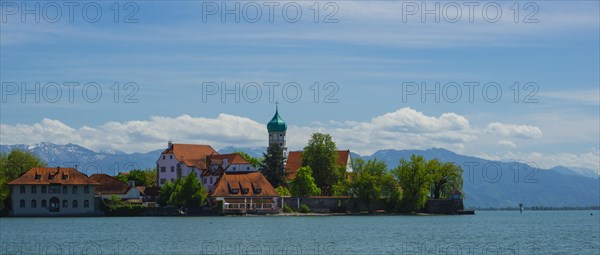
<point>497,80</point>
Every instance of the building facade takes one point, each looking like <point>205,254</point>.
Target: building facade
<point>181,160</point>
<point>48,191</point>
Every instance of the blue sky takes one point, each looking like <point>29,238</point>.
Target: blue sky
<point>370,54</point>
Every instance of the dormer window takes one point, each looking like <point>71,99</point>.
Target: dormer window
<point>38,176</point>
<point>257,191</point>
<point>234,191</point>
<point>245,191</point>
<point>65,176</point>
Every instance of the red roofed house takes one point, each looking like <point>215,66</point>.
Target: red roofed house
<point>45,191</point>
<point>180,160</point>
<point>111,186</point>
<point>246,192</point>
<point>294,161</point>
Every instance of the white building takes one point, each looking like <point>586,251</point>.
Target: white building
<point>180,160</point>
<point>49,191</point>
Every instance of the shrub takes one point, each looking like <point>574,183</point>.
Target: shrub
<point>287,209</point>
<point>304,208</point>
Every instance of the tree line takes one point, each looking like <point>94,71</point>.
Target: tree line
<point>404,188</point>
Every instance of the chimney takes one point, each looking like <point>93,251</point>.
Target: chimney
<point>169,145</point>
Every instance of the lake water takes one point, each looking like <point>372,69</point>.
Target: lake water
<point>533,232</point>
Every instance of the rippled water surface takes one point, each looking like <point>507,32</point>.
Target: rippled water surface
<point>533,232</point>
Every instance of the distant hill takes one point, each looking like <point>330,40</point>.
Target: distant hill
<point>486,184</point>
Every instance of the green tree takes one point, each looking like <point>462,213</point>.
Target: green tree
<point>321,156</point>
<point>414,180</point>
<point>188,192</point>
<point>145,177</point>
<point>253,161</point>
<point>283,191</point>
<point>165,193</point>
<point>445,177</point>
<point>272,167</point>
<point>304,184</point>
<point>372,181</point>
<point>12,166</point>
<point>18,162</point>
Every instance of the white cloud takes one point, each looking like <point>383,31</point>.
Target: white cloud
<point>404,128</point>
<point>141,136</point>
<point>512,130</point>
<point>507,143</point>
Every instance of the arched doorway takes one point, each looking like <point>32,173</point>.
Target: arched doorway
<point>54,204</point>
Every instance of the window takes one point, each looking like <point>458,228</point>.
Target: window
<point>234,168</point>
<point>65,204</point>
<point>280,134</point>
<point>22,203</point>
<point>211,180</point>
<point>163,169</point>
<point>86,190</point>
<point>170,156</point>
<point>172,180</point>
<point>163,156</point>
<point>247,168</point>
<point>44,205</point>
<point>44,189</point>
<point>172,169</point>
<point>54,189</point>
<point>22,189</point>
<point>74,189</point>
<point>33,189</point>
<point>75,204</point>
<point>204,180</point>
<point>64,190</point>
<point>163,180</point>
<point>33,204</point>
<point>86,204</point>
<point>280,144</point>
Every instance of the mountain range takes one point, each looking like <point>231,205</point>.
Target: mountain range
<point>487,184</point>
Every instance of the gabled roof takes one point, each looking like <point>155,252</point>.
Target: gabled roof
<point>53,175</point>
<point>148,191</point>
<point>232,158</point>
<point>244,184</point>
<point>109,185</point>
<point>294,161</point>
<point>192,155</point>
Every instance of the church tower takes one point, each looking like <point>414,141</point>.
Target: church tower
<point>277,128</point>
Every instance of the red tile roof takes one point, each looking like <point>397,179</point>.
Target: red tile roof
<point>232,158</point>
<point>193,155</point>
<point>109,185</point>
<point>244,184</point>
<point>53,175</point>
<point>294,161</point>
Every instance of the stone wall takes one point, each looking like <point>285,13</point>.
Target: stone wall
<point>444,206</point>
<point>324,204</point>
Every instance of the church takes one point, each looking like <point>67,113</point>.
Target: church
<point>227,177</point>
